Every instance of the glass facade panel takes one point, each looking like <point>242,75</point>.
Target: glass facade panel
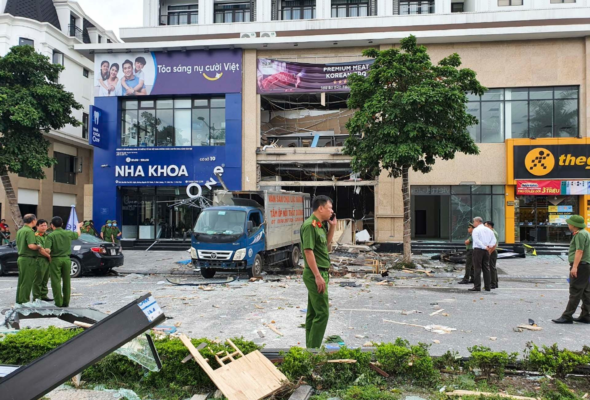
<point>460,216</point>
<point>517,94</point>
<point>492,122</point>
<point>498,215</point>
<point>482,207</point>
<point>541,93</point>
<point>474,109</point>
<point>493,94</point>
<point>517,119</point>
<point>182,127</point>
<point>461,189</point>
<point>178,122</point>
<point>566,118</point>
<point>481,189</point>
<point>541,119</point>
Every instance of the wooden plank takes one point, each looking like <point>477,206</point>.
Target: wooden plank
<point>196,355</point>
<point>303,392</point>
<point>375,368</point>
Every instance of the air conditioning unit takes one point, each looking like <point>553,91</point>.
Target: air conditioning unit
<point>247,35</point>
<point>268,34</point>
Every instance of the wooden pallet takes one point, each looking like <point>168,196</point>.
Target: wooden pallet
<point>244,377</point>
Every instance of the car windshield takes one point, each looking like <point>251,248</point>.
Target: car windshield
<point>221,222</point>
<point>90,238</point>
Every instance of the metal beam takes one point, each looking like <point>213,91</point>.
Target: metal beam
<point>59,365</point>
<point>263,184</point>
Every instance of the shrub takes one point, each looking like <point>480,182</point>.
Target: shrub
<point>490,362</point>
<point>553,361</point>
<point>29,344</point>
<point>414,362</point>
<point>359,393</point>
<point>298,363</point>
<point>560,392</point>
<point>450,361</point>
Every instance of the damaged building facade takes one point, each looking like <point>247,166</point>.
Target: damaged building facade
<point>295,57</point>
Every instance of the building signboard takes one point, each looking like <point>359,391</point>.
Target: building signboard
<point>168,73</point>
<point>552,188</point>
<point>552,162</point>
<point>97,136</point>
<point>277,76</point>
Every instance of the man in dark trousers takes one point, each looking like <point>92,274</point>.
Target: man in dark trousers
<point>316,257</point>
<point>579,260</point>
<point>493,257</point>
<point>59,246</point>
<point>468,277</point>
<point>28,250</point>
<point>483,243</point>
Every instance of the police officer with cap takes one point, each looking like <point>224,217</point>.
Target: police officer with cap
<point>468,277</point>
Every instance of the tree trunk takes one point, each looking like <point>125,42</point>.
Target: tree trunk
<point>407,216</point>
<point>11,197</point>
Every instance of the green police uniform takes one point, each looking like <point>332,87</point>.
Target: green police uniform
<point>103,231</point>
<point>493,260</point>
<point>89,230</point>
<point>115,232</point>
<point>580,285</point>
<point>60,245</point>
<point>469,261</point>
<point>313,237</point>
<point>27,266</point>
<point>42,275</point>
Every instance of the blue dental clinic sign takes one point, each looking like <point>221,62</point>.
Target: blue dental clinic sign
<point>145,76</point>
<point>97,134</point>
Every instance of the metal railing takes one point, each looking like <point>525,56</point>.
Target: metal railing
<point>307,141</point>
<point>180,18</point>
<point>76,32</point>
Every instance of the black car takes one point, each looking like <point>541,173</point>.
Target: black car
<point>89,253</point>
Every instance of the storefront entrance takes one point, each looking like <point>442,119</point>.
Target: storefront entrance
<point>542,218</point>
<point>156,212</point>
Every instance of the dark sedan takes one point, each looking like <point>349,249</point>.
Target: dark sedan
<point>89,253</point>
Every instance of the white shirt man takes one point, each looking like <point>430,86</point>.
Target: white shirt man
<point>483,238</point>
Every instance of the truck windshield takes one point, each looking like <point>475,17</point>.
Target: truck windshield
<point>221,222</point>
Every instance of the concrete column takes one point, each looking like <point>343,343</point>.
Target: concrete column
<point>45,206</point>
<point>151,13</point>
<point>384,7</point>
<point>205,12</point>
<point>323,9</point>
<point>251,121</point>
<point>263,10</point>
<point>442,6</point>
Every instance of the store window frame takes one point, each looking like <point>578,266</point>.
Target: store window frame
<point>177,12</point>
<point>26,42</point>
<point>457,7</point>
<point>351,8</point>
<point>290,7</point>
<point>64,171</point>
<point>405,7</point>
<point>498,95</point>
<point>496,194</point>
<point>215,105</point>
<point>222,10</point>
<point>58,58</point>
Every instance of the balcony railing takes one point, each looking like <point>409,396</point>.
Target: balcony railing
<point>308,140</point>
<point>180,18</point>
<point>76,32</point>
<point>410,7</point>
<point>360,9</point>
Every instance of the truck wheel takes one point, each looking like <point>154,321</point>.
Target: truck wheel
<point>207,273</point>
<point>256,269</point>
<point>293,261</point>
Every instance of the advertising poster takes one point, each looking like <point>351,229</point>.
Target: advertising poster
<point>555,188</point>
<point>276,76</point>
<point>162,73</point>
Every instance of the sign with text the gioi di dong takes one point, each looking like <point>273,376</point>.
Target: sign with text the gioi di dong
<point>552,162</point>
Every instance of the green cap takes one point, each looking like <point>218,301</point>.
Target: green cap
<point>114,221</point>
<point>577,221</point>
<point>86,223</point>
<point>471,225</point>
<point>109,222</point>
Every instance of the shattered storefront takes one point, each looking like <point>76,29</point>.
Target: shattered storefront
<point>548,181</point>
<point>302,131</point>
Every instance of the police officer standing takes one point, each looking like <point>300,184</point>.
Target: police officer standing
<point>116,233</point>
<point>59,246</point>
<point>43,259</point>
<point>88,229</point>
<point>493,257</point>
<point>316,258</point>
<point>104,235</point>
<point>579,259</point>
<point>468,277</point>
<point>27,255</point>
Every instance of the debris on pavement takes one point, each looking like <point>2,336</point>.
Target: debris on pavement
<point>440,329</point>
<point>437,312</point>
<point>244,377</point>
<point>530,327</point>
<point>485,394</point>
<point>375,367</point>
<point>274,329</point>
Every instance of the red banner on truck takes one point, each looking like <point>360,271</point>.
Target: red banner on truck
<point>538,188</point>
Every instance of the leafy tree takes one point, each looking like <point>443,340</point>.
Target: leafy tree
<point>31,103</point>
<point>410,112</point>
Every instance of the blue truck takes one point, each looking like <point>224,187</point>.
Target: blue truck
<point>249,230</point>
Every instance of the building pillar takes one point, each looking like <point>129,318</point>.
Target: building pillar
<point>509,212</point>
<point>323,9</point>
<point>205,12</point>
<point>151,13</point>
<point>263,10</point>
<point>442,6</point>
<point>384,7</point>
<point>251,121</point>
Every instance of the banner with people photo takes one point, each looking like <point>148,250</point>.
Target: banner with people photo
<point>276,76</point>
<point>162,73</point>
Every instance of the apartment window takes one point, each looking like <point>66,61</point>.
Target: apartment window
<point>64,170</point>
<point>173,122</point>
<point>58,58</point>
<point>457,7</point>
<point>85,72</point>
<point>505,3</point>
<point>350,8</point>
<point>562,1</point>
<point>99,39</point>
<point>181,15</point>
<point>544,112</point>
<point>297,9</point>
<point>26,42</point>
<point>232,12</point>
<point>85,122</point>
<point>109,41</point>
<point>416,7</point>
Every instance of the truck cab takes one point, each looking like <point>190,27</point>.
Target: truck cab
<point>248,230</point>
